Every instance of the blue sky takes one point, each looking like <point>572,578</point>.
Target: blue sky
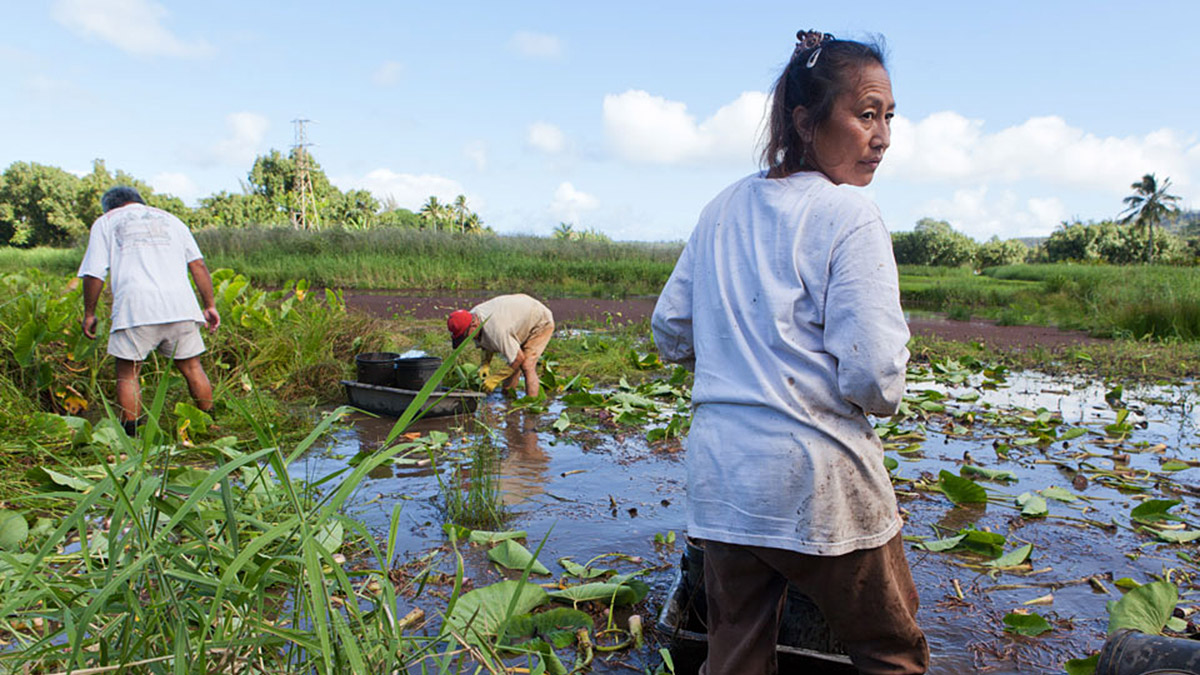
<point>625,117</point>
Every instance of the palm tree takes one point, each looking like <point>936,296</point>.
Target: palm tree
<point>460,211</point>
<point>1149,204</point>
<point>434,213</point>
<point>564,231</point>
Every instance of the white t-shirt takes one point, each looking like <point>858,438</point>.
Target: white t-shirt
<point>787,299</point>
<point>148,251</point>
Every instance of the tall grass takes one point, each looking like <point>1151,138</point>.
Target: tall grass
<point>401,259</point>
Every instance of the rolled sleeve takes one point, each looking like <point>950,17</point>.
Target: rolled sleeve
<point>864,324</point>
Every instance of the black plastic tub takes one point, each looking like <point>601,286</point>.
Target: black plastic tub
<point>378,368</point>
<point>413,373</point>
<point>1128,652</point>
<point>394,402</point>
<point>804,644</point>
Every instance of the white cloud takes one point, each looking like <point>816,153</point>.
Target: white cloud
<point>569,203</point>
<point>947,147</point>
<point>546,138</point>
<point>649,129</point>
<point>477,153</point>
<point>246,133</point>
<point>536,45</point>
<point>979,213</point>
<point>388,74</point>
<point>133,26</point>
<point>409,191</point>
<point>177,184</point>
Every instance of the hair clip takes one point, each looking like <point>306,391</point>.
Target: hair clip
<point>810,39</point>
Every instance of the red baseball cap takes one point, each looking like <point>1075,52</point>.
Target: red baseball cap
<point>459,323</point>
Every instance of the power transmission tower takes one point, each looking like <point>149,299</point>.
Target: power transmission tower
<point>308,202</point>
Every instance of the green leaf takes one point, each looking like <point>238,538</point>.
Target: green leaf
<point>1175,465</point>
<point>1073,432</point>
<point>486,537</point>
<point>890,463</point>
<point>1126,583</point>
<point>989,544</point>
<point>514,556</point>
<point>577,570</point>
<point>50,478</point>
<point>330,535</point>
<point>1013,558</point>
<point>1032,506</point>
<point>1031,624</point>
<point>1082,666</point>
<point>939,545</point>
<point>1145,608</point>
<point>1059,494</point>
<point>617,593</point>
<point>560,425</point>
<point>1154,510</point>
<point>556,626</point>
<point>1177,536</point>
<point>13,530</point>
<point>990,474</point>
<point>483,609</point>
<point>961,490</point>
<point>195,419</point>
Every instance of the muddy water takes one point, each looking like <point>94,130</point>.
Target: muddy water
<point>607,491</point>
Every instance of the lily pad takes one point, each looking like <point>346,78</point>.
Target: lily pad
<point>1058,494</point>
<point>483,609</point>
<point>1082,666</point>
<point>990,474</point>
<point>626,593</point>
<point>486,537</point>
<point>1177,536</point>
<point>514,556</point>
<point>1013,558</point>
<point>961,490</point>
<point>1032,506</point>
<point>580,571</point>
<point>1154,510</point>
<point>1145,608</point>
<point>13,530</point>
<point>1030,624</point>
<point>555,626</point>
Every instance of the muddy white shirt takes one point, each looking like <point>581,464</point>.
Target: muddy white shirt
<point>508,321</point>
<point>786,297</point>
<point>148,251</point>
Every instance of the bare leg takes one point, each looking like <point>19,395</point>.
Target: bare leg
<point>532,383</point>
<point>129,391</point>
<point>197,381</point>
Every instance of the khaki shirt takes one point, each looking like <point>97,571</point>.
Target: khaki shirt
<point>508,321</point>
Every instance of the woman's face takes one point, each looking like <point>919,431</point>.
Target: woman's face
<point>849,145</point>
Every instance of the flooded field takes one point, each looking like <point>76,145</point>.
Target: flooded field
<point>1062,462</point>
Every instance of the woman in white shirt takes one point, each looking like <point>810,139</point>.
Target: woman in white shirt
<point>785,302</point>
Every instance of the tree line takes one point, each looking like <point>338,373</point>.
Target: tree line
<point>43,205</point>
<point>1151,228</point>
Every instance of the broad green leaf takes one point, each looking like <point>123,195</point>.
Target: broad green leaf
<point>1073,432</point>
<point>1059,494</point>
<point>989,544</point>
<point>1032,506</point>
<point>1145,608</point>
<point>195,419</point>
<point>577,570</point>
<point>1083,666</point>
<point>51,478</point>
<point>1026,624</point>
<point>1126,583</point>
<point>1154,510</point>
<point>961,490</point>
<point>13,530</point>
<point>1175,465</point>
<point>890,463</point>
<point>486,537</point>
<point>1013,558</point>
<point>557,626</point>
<point>330,535</point>
<point>483,609</point>
<point>605,592</point>
<point>514,556</point>
<point>1176,624</point>
<point>1177,536</point>
<point>939,545</point>
<point>990,474</point>
<point>562,423</point>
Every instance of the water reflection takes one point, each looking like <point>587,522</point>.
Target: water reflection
<point>523,468</point>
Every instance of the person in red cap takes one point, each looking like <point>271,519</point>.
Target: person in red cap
<point>515,326</point>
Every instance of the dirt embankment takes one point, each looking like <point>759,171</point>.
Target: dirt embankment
<point>399,304</point>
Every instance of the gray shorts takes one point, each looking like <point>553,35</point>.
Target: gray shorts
<point>178,340</point>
